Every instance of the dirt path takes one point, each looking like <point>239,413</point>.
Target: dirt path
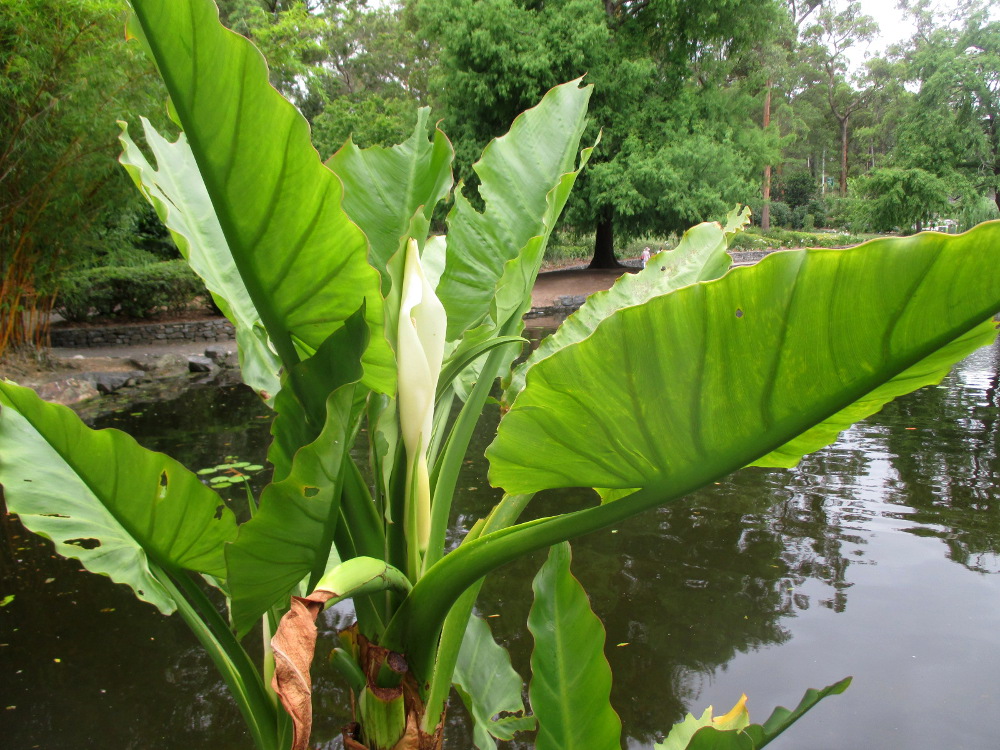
<point>550,285</point>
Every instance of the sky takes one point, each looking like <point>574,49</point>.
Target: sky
<point>894,26</point>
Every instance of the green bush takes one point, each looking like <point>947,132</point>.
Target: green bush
<point>567,245</point>
<point>748,241</point>
<point>754,239</point>
<point>781,214</point>
<point>128,291</point>
<point>797,189</point>
<point>975,211</point>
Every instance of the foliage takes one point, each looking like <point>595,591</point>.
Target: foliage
<point>781,214</point>
<point>66,76</point>
<point>754,239</point>
<point>733,731</point>
<point>368,120</point>
<point>678,143</point>
<point>976,211</point>
<point>349,313</point>
<point>135,291</point>
<point>899,199</point>
<point>949,131</point>
<point>351,68</point>
<point>797,189</point>
<point>566,246</point>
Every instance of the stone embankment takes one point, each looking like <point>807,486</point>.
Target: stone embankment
<point>143,334</point>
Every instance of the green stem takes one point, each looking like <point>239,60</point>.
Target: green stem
<point>230,659</point>
<point>450,463</point>
<point>452,635</point>
<point>344,663</point>
<point>370,621</point>
<point>455,624</point>
<point>266,632</point>
<point>383,721</point>
<point>360,513</point>
<point>395,534</point>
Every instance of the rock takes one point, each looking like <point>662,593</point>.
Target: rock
<point>571,300</point>
<point>222,355</point>
<point>67,391</point>
<point>165,364</point>
<point>109,382</point>
<point>200,364</point>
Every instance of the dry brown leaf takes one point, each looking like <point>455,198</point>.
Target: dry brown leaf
<point>294,644</point>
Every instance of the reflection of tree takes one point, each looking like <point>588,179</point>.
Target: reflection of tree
<point>682,590</point>
<point>814,507</point>
<point>943,447</point>
<point>86,664</point>
<point>688,587</point>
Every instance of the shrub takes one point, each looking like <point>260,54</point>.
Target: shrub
<point>748,241</point>
<point>975,211</point>
<point>797,189</point>
<point>568,245</point>
<point>128,291</point>
<point>781,214</point>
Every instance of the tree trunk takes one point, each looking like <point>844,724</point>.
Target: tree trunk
<point>765,211</point>
<point>604,243</point>
<point>843,155</point>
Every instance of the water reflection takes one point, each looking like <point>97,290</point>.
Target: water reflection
<point>868,558</point>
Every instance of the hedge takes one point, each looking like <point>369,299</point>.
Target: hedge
<point>127,292</point>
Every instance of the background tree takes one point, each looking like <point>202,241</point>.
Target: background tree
<point>827,43</point>
<point>679,135</point>
<point>953,128</point>
<point>66,75</point>
<point>351,69</point>
<point>900,199</point>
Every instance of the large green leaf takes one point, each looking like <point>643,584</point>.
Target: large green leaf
<point>512,292</point>
<point>177,192</point>
<point>518,172</point>
<point>302,261</point>
<point>302,411</point>
<point>570,677</point>
<point>770,359</point>
<point>385,187</point>
<point>699,256</point>
<point>489,687</point>
<point>105,500</point>
<point>291,535</point>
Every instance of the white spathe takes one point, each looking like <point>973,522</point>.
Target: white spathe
<point>420,340</point>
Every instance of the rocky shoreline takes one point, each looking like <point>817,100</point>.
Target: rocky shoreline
<point>80,379</point>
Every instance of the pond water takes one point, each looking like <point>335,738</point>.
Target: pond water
<point>877,557</point>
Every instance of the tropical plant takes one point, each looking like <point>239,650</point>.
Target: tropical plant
<point>348,313</point>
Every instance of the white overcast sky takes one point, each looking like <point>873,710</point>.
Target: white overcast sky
<point>894,26</point>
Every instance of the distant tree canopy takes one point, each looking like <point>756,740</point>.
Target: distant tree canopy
<point>678,139</point>
<point>697,106</point>
<point>352,69</point>
<point>952,127</point>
